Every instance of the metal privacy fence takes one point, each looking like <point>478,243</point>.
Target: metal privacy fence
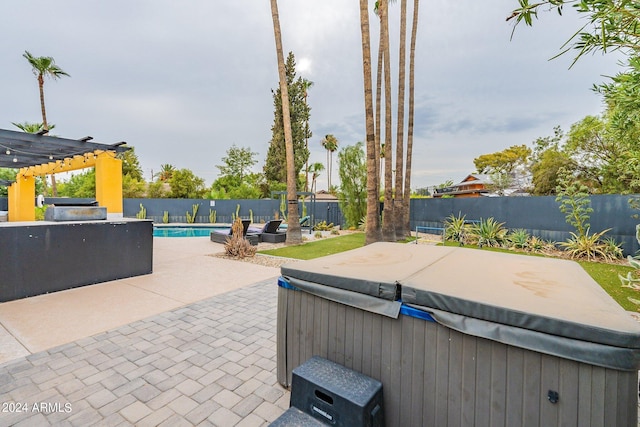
<point>260,210</point>
<point>540,216</point>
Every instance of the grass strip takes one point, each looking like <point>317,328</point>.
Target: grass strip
<point>319,248</point>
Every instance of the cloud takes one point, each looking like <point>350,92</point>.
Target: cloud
<point>182,82</point>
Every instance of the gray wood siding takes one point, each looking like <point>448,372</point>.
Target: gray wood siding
<point>434,376</point>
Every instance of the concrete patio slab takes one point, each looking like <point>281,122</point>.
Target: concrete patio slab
<point>10,348</point>
<point>46,321</point>
<point>185,270</point>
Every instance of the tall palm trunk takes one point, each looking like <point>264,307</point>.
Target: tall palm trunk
<point>42,109</point>
<point>398,200</point>
<point>294,234</point>
<point>45,126</point>
<point>407,179</point>
<point>378,123</point>
<point>328,172</point>
<point>388,227</point>
<point>372,232</point>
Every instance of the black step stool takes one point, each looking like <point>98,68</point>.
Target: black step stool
<point>326,392</point>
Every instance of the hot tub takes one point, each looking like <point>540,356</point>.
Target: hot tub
<point>464,337</point>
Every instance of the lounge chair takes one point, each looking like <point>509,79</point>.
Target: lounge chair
<point>221,236</point>
<point>304,223</point>
<point>269,232</point>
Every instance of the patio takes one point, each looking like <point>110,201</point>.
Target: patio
<point>191,344</point>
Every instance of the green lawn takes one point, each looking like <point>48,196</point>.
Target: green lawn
<point>319,248</point>
<point>606,275</point>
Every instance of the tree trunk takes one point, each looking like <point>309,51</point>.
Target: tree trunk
<point>398,200</point>
<point>45,125</point>
<point>328,172</point>
<point>388,227</point>
<point>372,232</point>
<point>407,179</point>
<point>294,234</point>
<point>378,123</point>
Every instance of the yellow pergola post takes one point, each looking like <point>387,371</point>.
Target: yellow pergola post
<point>22,195</point>
<point>109,182</point>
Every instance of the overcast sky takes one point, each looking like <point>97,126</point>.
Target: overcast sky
<point>183,81</point>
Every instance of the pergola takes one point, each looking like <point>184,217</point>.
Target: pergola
<point>41,155</point>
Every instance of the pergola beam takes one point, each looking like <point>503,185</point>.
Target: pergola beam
<point>20,149</point>
<point>40,155</point>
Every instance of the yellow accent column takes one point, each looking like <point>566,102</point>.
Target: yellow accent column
<point>22,195</point>
<point>109,182</point>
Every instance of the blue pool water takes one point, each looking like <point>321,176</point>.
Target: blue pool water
<point>160,231</point>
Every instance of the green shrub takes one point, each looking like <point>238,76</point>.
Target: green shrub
<point>489,232</point>
<point>589,246</point>
<point>519,238</point>
<point>323,226</point>
<point>40,212</point>
<point>536,244</point>
<point>613,248</point>
<point>142,214</point>
<point>456,228</point>
<point>631,280</point>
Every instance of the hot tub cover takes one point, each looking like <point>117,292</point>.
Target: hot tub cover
<point>547,305</point>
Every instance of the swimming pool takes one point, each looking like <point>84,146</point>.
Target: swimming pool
<point>186,231</point>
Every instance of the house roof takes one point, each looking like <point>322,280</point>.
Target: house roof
<point>476,178</point>
<point>325,195</point>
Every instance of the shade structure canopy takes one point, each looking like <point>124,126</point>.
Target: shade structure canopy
<point>21,149</point>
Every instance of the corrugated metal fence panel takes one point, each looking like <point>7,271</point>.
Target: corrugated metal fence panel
<point>434,376</point>
<point>263,210</point>
<point>541,216</point>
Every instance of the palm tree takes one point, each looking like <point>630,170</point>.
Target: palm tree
<point>330,143</point>
<point>307,84</point>
<point>294,234</point>
<point>31,127</point>
<point>398,203</point>
<point>372,228</point>
<point>166,172</point>
<point>407,179</point>
<point>315,170</point>
<point>45,66</point>
<point>388,228</point>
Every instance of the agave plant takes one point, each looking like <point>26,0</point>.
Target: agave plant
<point>631,280</point>
<point>589,246</point>
<point>489,232</point>
<point>456,228</point>
<point>536,244</point>
<point>613,248</point>
<point>519,238</point>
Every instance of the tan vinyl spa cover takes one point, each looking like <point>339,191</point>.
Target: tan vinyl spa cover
<point>542,304</point>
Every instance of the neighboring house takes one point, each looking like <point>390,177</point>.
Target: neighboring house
<point>325,196</point>
<point>476,185</point>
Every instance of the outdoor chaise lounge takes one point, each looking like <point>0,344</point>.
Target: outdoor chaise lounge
<point>304,223</point>
<point>269,233</point>
<point>221,236</point>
